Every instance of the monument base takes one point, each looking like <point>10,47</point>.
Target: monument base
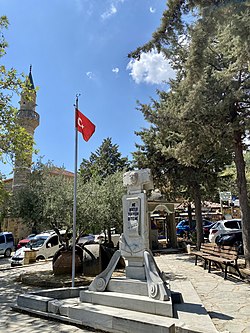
<point>138,314</point>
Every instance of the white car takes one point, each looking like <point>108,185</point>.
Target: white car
<point>45,244</point>
<point>223,227</point>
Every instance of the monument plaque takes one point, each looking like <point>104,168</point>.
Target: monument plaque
<point>133,219</point>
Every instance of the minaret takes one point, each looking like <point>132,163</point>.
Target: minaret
<point>28,118</point>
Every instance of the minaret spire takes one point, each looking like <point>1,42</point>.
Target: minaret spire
<point>29,119</point>
<point>31,82</point>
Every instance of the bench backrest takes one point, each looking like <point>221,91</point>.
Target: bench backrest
<point>222,251</point>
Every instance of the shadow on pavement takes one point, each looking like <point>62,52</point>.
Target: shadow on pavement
<point>219,315</point>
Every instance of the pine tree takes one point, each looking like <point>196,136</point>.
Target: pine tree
<point>210,53</point>
<point>104,162</point>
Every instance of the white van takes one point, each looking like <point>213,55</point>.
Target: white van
<point>45,244</point>
<point>6,243</point>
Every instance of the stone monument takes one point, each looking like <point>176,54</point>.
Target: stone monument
<point>134,242</point>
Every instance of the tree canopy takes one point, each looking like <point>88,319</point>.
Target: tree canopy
<point>101,188</point>
<point>105,161</point>
<point>14,138</point>
<point>208,46</point>
<point>46,201</point>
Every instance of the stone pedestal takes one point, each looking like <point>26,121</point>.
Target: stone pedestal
<point>135,237</point>
<point>135,269</point>
<point>29,256</point>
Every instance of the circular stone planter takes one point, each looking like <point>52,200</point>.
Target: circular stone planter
<point>63,263</point>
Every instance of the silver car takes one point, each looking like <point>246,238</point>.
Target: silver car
<point>223,227</point>
<point>6,243</point>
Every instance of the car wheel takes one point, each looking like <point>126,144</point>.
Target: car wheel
<point>40,258</point>
<point>217,239</point>
<point>7,253</point>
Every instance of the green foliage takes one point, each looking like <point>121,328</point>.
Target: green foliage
<point>13,138</point>
<point>228,177</point>
<point>47,200</point>
<point>99,204</point>
<point>4,200</point>
<point>202,120</point>
<point>100,189</point>
<point>104,162</point>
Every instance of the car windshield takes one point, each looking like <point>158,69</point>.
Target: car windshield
<point>37,241</point>
<point>232,224</point>
<point>183,222</point>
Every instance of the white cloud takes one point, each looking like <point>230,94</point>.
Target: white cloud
<point>112,9</point>
<point>152,10</point>
<point>90,75</point>
<point>152,68</point>
<point>115,70</point>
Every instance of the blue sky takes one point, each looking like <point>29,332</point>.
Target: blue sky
<point>81,46</point>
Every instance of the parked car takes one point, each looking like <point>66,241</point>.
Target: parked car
<point>6,243</point>
<point>207,225</point>
<point>223,227</point>
<point>115,237</point>
<point>46,245</point>
<point>183,227</point>
<point>25,241</point>
<point>86,239</point>
<point>231,239</point>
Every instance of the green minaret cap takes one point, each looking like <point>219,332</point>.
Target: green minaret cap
<point>31,82</point>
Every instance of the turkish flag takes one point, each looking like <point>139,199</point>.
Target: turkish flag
<point>84,125</point>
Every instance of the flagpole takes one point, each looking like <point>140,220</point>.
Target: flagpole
<point>74,206</point>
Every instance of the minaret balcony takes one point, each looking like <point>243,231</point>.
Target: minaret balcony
<point>28,114</point>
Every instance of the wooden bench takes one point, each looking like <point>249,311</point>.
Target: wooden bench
<point>222,255</point>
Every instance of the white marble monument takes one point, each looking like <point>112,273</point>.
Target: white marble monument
<point>134,243</point>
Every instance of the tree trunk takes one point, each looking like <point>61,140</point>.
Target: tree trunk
<point>109,235</point>
<point>243,198</point>
<point>198,215</point>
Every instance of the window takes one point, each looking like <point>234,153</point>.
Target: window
<point>2,239</point>
<point>53,241</point>
<point>9,238</point>
<point>232,224</point>
<point>37,242</point>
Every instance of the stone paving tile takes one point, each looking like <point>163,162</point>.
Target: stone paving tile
<point>15,322</point>
<point>227,301</point>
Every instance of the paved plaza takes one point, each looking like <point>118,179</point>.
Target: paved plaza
<point>227,301</point>
<point>11,321</point>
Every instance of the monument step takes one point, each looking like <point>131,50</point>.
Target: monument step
<point>191,318</point>
<point>120,320</point>
<point>129,302</point>
<point>191,310</point>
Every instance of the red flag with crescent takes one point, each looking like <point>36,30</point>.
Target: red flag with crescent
<point>84,125</point>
